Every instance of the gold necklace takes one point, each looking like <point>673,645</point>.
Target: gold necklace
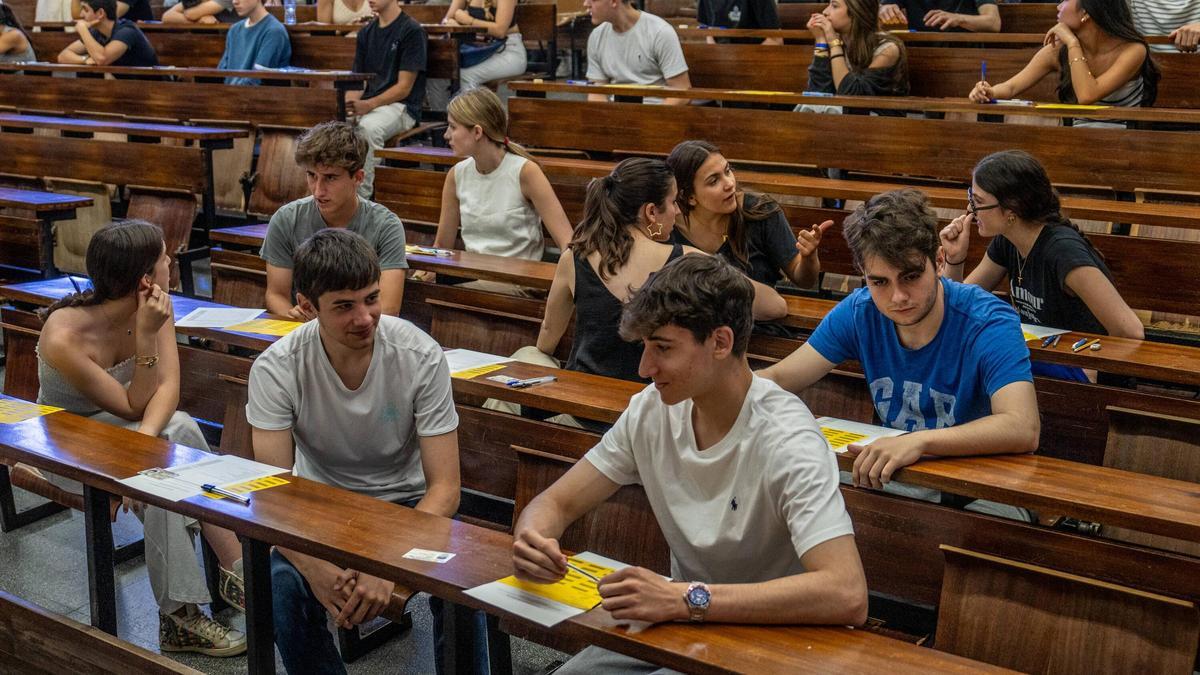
<point>1021,268</point>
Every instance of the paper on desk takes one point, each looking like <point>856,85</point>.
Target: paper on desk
<point>265,326</point>
<point>217,317</point>
<point>220,470</point>
<point>1033,332</point>
<point>840,433</point>
<point>548,604</point>
<point>462,360</point>
<point>1069,106</point>
<point>14,410</point>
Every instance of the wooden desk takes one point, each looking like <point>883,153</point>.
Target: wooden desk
<point>900,103</point>
<point>693,32</point>
<point>156,165</point>
<point>311,518</point>
<point>1014,18</point>
<point>48,207</point>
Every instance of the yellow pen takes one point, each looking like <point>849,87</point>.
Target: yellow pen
<point>1085,345</point>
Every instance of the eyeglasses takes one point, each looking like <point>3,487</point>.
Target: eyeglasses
<point>973,209</point>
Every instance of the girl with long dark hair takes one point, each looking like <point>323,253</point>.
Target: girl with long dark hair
<point>851,56</point>
<point>746,228</point>
<point>1098,54</point>
<point>1056,277</point>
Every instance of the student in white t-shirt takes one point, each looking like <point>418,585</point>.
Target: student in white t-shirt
<point>360,401</point>
<point>633,47</point>
<point>737,472</point>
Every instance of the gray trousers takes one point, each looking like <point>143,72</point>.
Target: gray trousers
<point>597,661</point>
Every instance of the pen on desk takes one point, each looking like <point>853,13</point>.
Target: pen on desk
<point>1047,340</point>
<point>209,487</point>
<point>580,570</point>
<point>521,384</point>
<point>1078,344</point>
<point>1085,344</point>
<point>579,82</point>
<point>1054,345</point>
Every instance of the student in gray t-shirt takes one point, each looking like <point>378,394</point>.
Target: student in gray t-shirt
<point>333,155</point>
<point>355,400</point>
<point>633,47</point>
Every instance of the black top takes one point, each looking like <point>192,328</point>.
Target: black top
<point>1041,296</point>
<point>385,51</point>
<point>738,14</point>
<point>139,10</point>
<point>598,348</point>
<point>916,10</point>
<point>865,82</point>
<point>138,51</point>
<point>770,246</point>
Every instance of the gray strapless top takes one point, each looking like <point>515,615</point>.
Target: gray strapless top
<point>54,389</point>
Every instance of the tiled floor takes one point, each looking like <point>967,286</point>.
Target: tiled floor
<point>45,563</point>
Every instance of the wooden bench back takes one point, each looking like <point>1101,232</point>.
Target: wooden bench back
<point>33,640</point>
<point>149,164</point>
<point>1132,159</point>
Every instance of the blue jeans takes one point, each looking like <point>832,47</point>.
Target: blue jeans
<point>305,643</point>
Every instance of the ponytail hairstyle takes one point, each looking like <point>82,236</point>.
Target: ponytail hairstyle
<point>865,37</point>
<point>481,108</point>
<point>9,18</point>
<point>1019,183</point>
<point>612,205</point>
<point>1115,18</point>
<point>685,161</point>
<point>118,256</point>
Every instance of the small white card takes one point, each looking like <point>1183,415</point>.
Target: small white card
<point>429,556</point>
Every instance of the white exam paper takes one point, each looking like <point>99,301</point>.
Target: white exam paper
<point>220,470</point>
<point>873,432</point>
<point>465,359</point>
<point>217,317</point>
<point>532,607</point>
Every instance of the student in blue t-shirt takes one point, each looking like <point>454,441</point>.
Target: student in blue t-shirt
<point>259,39</point>
<point>943,360</point>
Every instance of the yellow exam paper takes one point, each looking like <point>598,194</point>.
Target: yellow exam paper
<point>468,373</point>
<point>266,326</point>
<point>251,486</point>
<point>1028,336</point>
<point>758,92</point>
<point>13,411</point>
<point>1070,106</point>
<point>574,589</point>
<point>839,439</point>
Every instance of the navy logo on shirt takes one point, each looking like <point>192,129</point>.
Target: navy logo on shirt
<point>735,14</point>
<point>733,504</point>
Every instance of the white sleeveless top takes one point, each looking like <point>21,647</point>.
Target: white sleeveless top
<point>494,217</point>
<point>343,14</point>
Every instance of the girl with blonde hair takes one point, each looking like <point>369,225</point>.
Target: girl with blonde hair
<point>497,197</point>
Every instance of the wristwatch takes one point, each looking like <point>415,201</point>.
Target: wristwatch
<point>697,597</point>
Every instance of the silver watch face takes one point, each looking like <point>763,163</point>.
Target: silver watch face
<point>698,597</point>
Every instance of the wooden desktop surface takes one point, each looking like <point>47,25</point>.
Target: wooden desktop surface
<point>34,200</point>
<point>300,75</point>
<point>372,536</point>
<point>192,133</point>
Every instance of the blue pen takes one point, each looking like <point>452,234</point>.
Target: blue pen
<point>582,82</point>
<point>1075,347</point>
<point>1047,340</point>
<point>983,76</point>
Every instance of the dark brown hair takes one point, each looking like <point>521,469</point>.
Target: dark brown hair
<point>334,259</point>
<point>865,37</point>
<point>697,292</point>
<point>332,144</point>
<point>118,256</point>
<point>1020,184</point>
<point>612,205</point>
<point>685,161</point>
<point>109,7</point>
<point>9,18</point>
<point>897,226</point>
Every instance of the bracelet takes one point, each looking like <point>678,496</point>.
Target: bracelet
<point>834,56</point>
<point>821,45</point>
<point>956,263</point>
<point>837,42</point>
<point>820,53</point>
<point>148,361</point>
<point>1078,58</point>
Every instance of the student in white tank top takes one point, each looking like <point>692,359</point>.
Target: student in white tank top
<point>498,196</point>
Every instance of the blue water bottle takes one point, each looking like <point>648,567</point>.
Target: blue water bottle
<point>289,12</point>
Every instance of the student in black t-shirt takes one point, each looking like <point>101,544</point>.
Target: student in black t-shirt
<point>751,14</point>
<point>976,16</point>
<point>745,228</point>
<point>107,41</point>
<point>1056,278</point>
<point>851,56</point>
<point>392,48</point>
<point>134,10</point>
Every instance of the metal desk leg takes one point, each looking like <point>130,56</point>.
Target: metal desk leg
<point>101,582</point>
<point>12,519</point>
<point>457,628</point>
<point>260,620</point>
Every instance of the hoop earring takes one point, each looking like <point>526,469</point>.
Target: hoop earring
<point>655,234</point>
